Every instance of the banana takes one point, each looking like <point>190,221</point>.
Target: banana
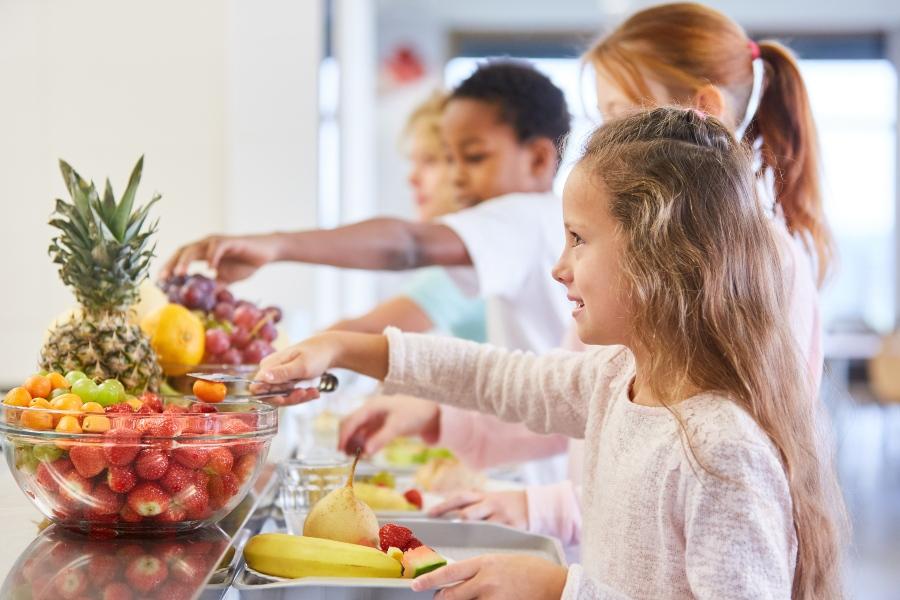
<point>294,556</point>
<point>382,498</point>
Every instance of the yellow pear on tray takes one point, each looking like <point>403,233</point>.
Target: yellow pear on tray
<point>343,517</point>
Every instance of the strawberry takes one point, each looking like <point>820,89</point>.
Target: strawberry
<point>175,409</point>
<point>70,582</point>
<point>220,461</point>
<point>191,456</point>
<point>174,590</point>
<point>117,591</point>
<point>236,426</point>
<point>148,500</point>
<point>151,464</point>
<point>221,488</point>
<point>412,543</point>
<point>119,409</point>
<point>129,516</point>
<point>102,502</point>
<point>395,535</point>
<point>104,568</point>
<point>152,400</point>
<point>47,475</point>
<point>244,468</point>
<point>174,514</point>
<point>203,407</point>
<point>88,459</point>
<point>195,500</point>
<point>177,478</point>
<point>121,479</point>
<point>121,445</point>
<point>189,569</point>
<point>146,573</point>
<point>414,497</point>
<point>73,490</point>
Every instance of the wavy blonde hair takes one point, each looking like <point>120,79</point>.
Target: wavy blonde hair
<point>703,271</point>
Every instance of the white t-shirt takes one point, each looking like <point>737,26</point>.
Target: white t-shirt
<point>514,241</point>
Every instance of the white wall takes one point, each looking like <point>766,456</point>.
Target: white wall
<point>204,89</point>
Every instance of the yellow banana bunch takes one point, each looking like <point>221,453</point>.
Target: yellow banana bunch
<point>294,556</point>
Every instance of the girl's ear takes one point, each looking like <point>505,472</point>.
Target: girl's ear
<point>544,158</point>
<point>710,100</point>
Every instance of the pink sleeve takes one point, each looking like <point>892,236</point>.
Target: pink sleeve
<point>483,441</point>
<point>554,510</point>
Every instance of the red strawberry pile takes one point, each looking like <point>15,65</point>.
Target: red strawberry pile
<point>61,565</point>
<point>153,469</point>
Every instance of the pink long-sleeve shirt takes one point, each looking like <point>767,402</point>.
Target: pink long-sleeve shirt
<point>655,523</point>
<point>554,509</point>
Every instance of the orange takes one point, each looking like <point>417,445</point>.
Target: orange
<point>95,424</point>
<point>67,402</point>
<point>18,396</point>
<point>92,407</point>
<point>37,419</point>
<point>209,391</point>
<point>178,337</point>
<point>57,381</point>
<point>68,424</point>
<point>38,386</point>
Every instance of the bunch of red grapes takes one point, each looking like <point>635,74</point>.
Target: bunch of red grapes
<point>237,331</point>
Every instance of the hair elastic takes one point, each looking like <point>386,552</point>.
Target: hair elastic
<point>755,92</point>
<point>754,49</point>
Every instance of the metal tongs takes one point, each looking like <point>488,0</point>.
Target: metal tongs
<point>327,382</point>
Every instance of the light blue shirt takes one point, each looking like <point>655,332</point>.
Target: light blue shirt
<point>444,303</point>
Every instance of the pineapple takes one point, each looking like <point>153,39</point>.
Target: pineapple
<point>103,249</point>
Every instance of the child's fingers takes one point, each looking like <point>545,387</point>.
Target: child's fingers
<point>479,511</point>
<point>458,571</point>
<point>382,437</point>
<point>353,423</point>
<point>455,503</point>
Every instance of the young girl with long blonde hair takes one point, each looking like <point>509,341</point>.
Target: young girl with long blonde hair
<point>704,471</point>
<point>691,55</point>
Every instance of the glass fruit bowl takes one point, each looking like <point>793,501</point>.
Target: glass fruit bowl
<point>146,473</point>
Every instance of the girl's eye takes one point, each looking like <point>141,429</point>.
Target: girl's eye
<point>474,158</point>
<point>576,239</point>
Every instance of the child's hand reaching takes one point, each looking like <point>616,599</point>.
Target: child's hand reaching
<point>383,418</point>
<point>508,508</point>
<point>496,577</point>
<point>360,352</point>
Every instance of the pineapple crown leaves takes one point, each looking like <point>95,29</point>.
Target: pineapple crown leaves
<point>103,247</point>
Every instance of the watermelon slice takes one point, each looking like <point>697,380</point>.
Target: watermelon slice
<point>421,560</point>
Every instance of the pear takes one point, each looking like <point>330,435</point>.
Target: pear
<point>343,517</point>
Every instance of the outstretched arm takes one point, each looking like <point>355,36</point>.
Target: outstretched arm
<point>400,312</point>
<point>375,244</point>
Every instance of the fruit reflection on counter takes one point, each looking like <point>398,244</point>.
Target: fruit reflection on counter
<point>61,565</point>
<point>103,247</point>
<point>92,457</point>
<point>399,554</point>
<point>437,469</point>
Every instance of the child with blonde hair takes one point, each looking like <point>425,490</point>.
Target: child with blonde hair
<point>704,472</point>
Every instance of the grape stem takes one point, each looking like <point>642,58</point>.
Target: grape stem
<point>262,323</point>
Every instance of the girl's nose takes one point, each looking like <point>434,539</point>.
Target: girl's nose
<point>561,271</point>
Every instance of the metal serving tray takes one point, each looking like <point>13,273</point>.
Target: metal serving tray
<point>456,540</point>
